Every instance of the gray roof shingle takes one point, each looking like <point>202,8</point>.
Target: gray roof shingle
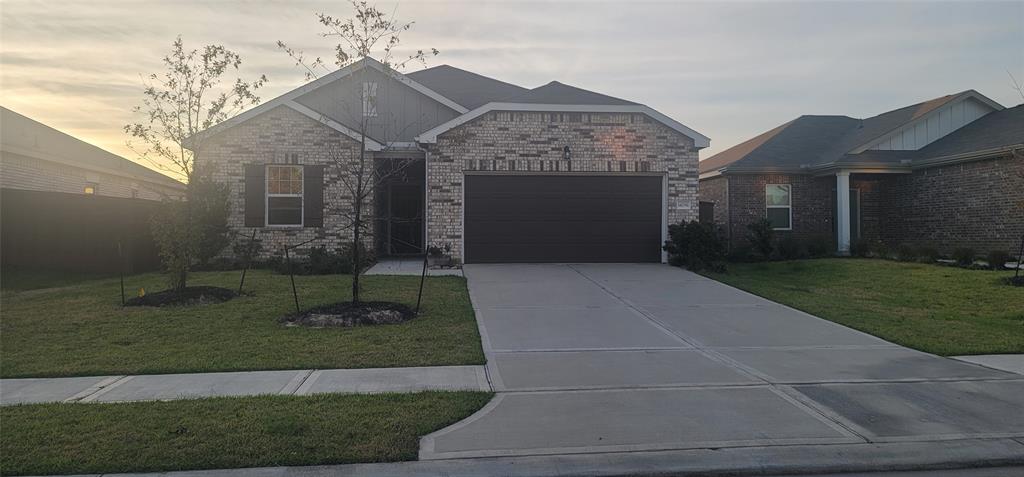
<point>559,93</point>
<point>466,88</point>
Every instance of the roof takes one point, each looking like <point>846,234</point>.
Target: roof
<point>810,141</point>
<point>559,93</point>
<point>464,87</point>
<point>28,137</point>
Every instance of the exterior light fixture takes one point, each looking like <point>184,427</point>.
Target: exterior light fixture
<point>566,153</point>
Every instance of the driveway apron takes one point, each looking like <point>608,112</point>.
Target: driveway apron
<point>637,357</point>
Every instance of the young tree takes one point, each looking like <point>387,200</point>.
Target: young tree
<point>194,93</point>
<point>369,33</point>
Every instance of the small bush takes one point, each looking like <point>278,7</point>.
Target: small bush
<point>761,237</point>
<point>964,256</point>
<point>320,261</point>
<point>819,246</point>
<point>906,252</point>
<point>791,248</point>
<point>927,254</point>
<point>880,249</point>
<point>997,259</point>
<point>696,245</point>
<point>860,248</point>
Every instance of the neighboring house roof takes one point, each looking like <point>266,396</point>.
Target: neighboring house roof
<point>25,136</point>
<point>559,93</point>
<point>461,90</point>
<point>816,142</point>
<point>464,87</point>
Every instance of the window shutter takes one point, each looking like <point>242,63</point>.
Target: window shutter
<point>255,182</point>
<point>313,196</point>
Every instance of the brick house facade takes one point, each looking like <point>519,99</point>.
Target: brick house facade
<point>964,188</point>
<point>473,125</point>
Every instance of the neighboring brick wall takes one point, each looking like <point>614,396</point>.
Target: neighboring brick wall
<point>29,173</point>
<point>716,191</point>
<point>266,139</point>
<point>534,142</point>
<point>971,204</point>
<point>872,204</point>
<point>812,204</point>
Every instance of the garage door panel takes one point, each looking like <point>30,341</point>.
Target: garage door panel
<point>563,218</point>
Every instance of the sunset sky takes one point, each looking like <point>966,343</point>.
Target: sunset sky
<point>729,70</point>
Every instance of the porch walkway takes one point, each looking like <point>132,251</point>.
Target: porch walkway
<point>408,266</point>
<point>166,387</point>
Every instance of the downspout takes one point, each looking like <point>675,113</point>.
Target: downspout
<point>426,195</point>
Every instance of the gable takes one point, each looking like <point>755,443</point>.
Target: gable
<point>932,126</point>
<point>401,112</point>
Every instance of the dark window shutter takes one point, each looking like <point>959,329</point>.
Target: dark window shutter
<point>255,182</point>
<point>313,196</point>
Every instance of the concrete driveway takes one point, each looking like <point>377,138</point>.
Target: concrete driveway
<point>639,357</point>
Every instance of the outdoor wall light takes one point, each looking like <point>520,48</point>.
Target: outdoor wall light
<point>566,153</point>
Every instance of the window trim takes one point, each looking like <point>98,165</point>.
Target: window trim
<point>267,195</point>
<point>769,206</point>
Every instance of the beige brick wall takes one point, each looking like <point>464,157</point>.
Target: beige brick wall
<point>268,139</point>
<point>28,173</point>
<point>618,143</point>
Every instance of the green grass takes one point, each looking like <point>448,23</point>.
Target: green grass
<point>82,330</point>
<point>16,279</point>
<point>224,432</point>
<point>942,310</point>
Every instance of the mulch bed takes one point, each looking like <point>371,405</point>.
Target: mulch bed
<point>348,314</point>
<point>188,296</point>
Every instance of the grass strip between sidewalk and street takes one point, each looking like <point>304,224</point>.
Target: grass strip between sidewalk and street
<point>224,432</point>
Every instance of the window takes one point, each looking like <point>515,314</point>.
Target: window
<point>779,203</point>
<point>284,195</point>
<point>369,100</point>
<point>91,188</point>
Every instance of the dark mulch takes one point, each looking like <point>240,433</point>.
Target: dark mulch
<point>1015,281</point>
<point>352,314</point>
<point>188,296</point>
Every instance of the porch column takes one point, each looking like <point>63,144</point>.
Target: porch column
<point>843,212</point>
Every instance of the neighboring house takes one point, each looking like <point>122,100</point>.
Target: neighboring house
<point>36,157</point>
<point>944,173</point>
<point>501,173</point>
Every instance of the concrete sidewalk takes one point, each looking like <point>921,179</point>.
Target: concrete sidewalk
<point>162,387</point>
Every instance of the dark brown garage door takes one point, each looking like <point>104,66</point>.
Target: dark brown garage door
<point>562,219</point>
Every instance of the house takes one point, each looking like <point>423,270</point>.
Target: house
<point>500,173</point>
<point>943,173</point>
<point>68,205</point>
<point>36,157</point>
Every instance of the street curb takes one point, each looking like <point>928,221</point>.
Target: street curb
<point>740,461</point>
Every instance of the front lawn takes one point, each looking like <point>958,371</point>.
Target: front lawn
<point>224,432</point>
<point>942,310</point>
<point>82,330</point>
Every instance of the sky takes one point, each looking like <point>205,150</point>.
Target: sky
<point>729,70</point>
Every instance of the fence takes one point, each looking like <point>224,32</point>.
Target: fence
<point>58,231</point>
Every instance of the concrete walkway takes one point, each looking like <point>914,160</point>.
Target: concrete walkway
<point>409,266</point>
<point>161,387</point>
<point>625,358</point>
<point>1013,363</point>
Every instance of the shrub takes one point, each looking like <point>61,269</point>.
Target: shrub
<point>761,238</point>
<point>819,246</point>
<point>320,261</point>
<point>742,253</point>
<point>696,245</point>
<point>997,259</point>
<point>906,253</point>
<point>210,207</point>
<point>880,249</point>
<point>927,254</point>
<point>791,248</point>
<point>860,248</point>
<point>963,256</point>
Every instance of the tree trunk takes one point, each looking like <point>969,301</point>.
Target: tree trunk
<point>357,200</point>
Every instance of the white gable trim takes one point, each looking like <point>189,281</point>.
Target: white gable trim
<point>699,140</point>
<point>963,97</point>
<point>288,99</point>
<point>371,144</point>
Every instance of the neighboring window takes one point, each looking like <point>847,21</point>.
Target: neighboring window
<point>91,188</point>
<point>135,193</point>
<point>779,200</point>
<point>369,100</point>
<point>284,195</point>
